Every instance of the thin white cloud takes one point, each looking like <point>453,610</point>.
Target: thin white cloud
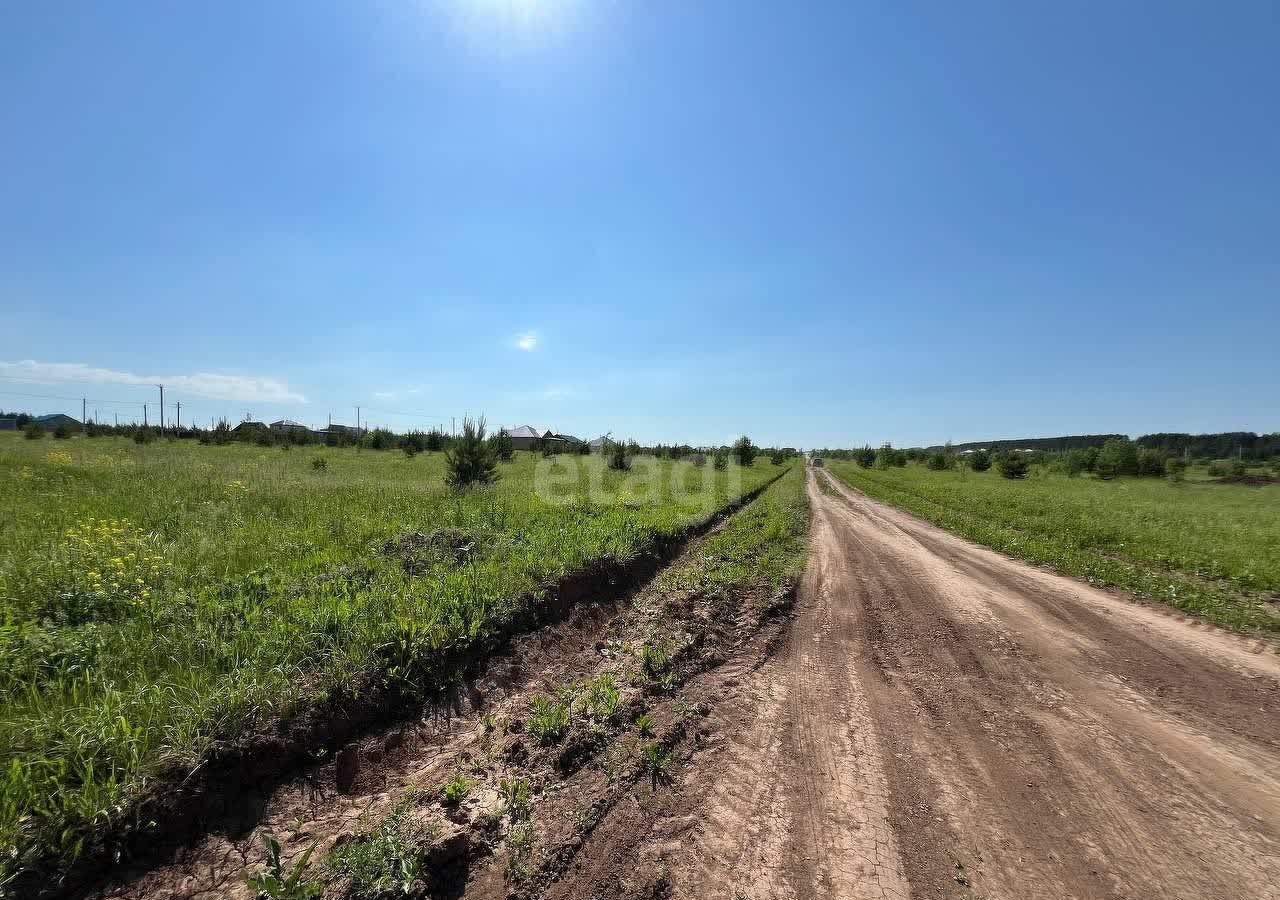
<point>556,392</point>
<point>396,393</point>
<point>528,341</point>
<point>253,388</point>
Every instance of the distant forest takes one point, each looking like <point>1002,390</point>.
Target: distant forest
<point>1066,442</point>
<point>1216,446</point>
<point>1213,446</point>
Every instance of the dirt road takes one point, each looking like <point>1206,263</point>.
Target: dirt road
<point>945,722</point>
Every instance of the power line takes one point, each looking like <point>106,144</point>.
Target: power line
<point>72,399</point>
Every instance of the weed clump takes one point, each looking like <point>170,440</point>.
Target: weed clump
<point>515,798</point>
<point>548,719</point>
<point>457,790</point>
<point>602,698</point>
<point>655,758</point>
<point>390,858</point>
<point>276,884</point>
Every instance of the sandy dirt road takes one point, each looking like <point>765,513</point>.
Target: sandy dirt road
<point>943,721</point>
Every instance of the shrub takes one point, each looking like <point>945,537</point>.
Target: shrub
<point>777,457</point>
<point>33,432</point>
<point>471,459</point>
<point>1175,467</point>
<point>415,441</point>
<point>1074,462</point>
<point>1218,468</point>
<point>698,459</point>
<point>616,453</point>
<point>1117,457</point>
<point>62,432</point>
<point>866,457</point>
<point>938,462</point>
<point>1151,463</point>
<point>980,461</point>
<point>380,439</point>
<point>221,434</point>
<point>720,461</point>
<point>744,451</point>
<point>502,446</point>
<point>1013,465</point>
<point>319,463</point>
<point>143,435</point>
<point>435,440</point>
<point>886,456</point>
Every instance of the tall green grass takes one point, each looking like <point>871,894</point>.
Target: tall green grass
<point>155,599</point>
<point>1212,549</point>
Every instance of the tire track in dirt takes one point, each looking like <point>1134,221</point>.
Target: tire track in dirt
<point>785,797</point>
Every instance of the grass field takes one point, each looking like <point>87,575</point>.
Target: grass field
<point>1208,548</point>
<point>157,598</point>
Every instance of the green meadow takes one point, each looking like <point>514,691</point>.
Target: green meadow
<point>158,598</point>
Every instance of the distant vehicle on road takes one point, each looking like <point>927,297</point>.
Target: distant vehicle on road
<point>816,461</point>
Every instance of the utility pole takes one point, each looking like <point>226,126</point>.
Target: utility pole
<point>179,415</point>
<point>117,420</point>
<point>453,426</point>
<point>144,416</point>
<point>357,421</point>
<point>84,416</point>
<point>161,386</point>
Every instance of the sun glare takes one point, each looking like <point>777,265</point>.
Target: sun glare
<point>531,23</point>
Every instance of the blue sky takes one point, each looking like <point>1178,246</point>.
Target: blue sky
<point>821,224</point>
